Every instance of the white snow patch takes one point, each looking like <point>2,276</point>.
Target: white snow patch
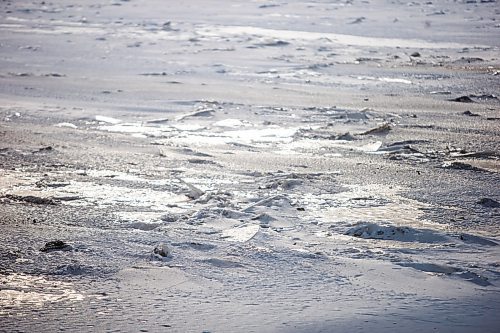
<point>384,79</point>
<point>109,120</point>
<point>232,123</point>
<point>370,147</point>
<point>127,176</point>
<point>241,234</point>
<point>391,80</point>
<point>70,125</point>
<point>188,127</point>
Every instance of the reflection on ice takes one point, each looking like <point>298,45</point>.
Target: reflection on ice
<point>384,79</point>
<point>221,31</point>
<point>21,290</point>
<point>377,203</point>
<point>109,195</point>
<point>194,134</point>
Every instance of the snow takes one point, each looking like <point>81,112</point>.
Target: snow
<point>227,166</point>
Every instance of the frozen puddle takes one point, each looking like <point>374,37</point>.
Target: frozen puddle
<point>28,291</point>
<point>377,203</point>
<point>110,195</point>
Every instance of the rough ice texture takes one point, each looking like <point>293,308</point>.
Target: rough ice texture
<point>249,166</point>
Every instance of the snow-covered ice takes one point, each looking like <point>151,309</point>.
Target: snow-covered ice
<point>226,166</point>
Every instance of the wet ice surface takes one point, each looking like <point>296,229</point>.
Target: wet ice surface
<point>280,167</point>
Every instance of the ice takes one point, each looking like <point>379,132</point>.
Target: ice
<point>241,234</point>
<point>402,234</point>
<point>228,166</point>
<point>105,119</point>
<point>22,290</point>
<point>69,125</point>
<point>231,123</point>
<point>308,36</point>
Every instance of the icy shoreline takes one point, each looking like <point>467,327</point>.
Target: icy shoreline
<point>277,167</point>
